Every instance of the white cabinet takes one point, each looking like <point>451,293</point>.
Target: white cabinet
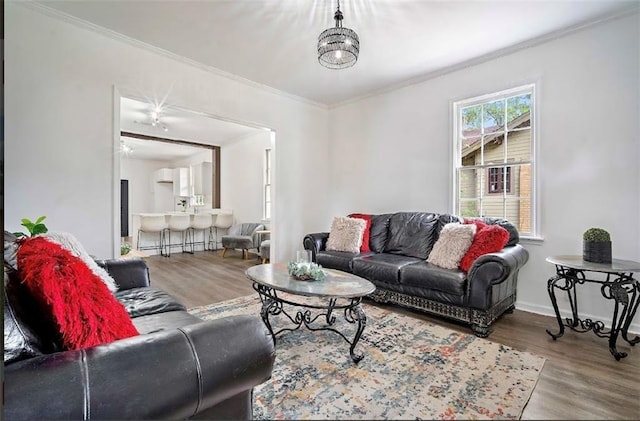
<point>202,178</point>
<point>163,175</point>
<point>181,182</point>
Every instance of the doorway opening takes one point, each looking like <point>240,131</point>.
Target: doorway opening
<point>222,175</point>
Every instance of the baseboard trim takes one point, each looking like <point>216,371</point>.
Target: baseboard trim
<point>634,327</point>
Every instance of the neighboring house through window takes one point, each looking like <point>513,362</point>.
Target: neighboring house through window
<point>494,146</point>
<point>267,184</point>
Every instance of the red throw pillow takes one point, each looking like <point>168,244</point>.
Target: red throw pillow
<point>477,222</point>
<point>70,294</point>
<point>365,235</point>
<point>489,239</point>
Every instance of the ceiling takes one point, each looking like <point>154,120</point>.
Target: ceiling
<point>274,42</point>
<point>181,124</point>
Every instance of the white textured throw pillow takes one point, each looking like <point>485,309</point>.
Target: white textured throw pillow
<point>71,243</point>
<point>346,234</point>
<point>454,241</point>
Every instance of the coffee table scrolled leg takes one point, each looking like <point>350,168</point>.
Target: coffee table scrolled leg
<point>270,305</point>
<point>329,317</point>
<point>355,314</point>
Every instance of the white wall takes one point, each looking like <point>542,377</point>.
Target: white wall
<point>392,152</point>
<point>143,190</point>
<point>59,128</point>
<point>242,175</point>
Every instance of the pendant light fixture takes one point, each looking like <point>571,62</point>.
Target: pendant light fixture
<point>338,47</point>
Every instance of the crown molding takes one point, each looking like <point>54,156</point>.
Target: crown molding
<point>56,14</point>
<point>635,9</point>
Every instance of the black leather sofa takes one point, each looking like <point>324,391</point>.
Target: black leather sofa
<point>179,366</point>
<point>400,244</point>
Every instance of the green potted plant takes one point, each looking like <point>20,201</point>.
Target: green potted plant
<point>34,227</point>
<point>596,246</point>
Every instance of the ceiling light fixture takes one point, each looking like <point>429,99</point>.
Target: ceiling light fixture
<point>338,47</point>
<point>155,120</point>
<point>124,148</point>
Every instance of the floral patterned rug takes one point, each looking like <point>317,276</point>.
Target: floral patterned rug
<point>412,369</point>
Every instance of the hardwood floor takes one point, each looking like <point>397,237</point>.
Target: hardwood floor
<point>580,378</point>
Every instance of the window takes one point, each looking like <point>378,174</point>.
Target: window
<point>267,184</point>
<point>499,177</point>
<point>493,166</point>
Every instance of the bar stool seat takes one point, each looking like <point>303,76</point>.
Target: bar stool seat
<point>154,224</point>
<point>180,223</point>
<point>201,222</point>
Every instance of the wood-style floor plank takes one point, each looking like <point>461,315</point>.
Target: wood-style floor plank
<point>580,378</point>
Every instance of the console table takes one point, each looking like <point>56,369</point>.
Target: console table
<point>619,285</point>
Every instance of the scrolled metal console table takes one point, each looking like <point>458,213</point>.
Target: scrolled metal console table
<point>268,279</point>
<point>619,286</point>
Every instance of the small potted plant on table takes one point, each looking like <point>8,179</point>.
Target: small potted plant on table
<point>596,246</point>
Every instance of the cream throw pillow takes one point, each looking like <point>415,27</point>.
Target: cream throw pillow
<point>346,234</point>
<point>454,241</point>
<point>73,245</point>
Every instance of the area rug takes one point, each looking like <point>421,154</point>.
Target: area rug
<point>412,369</point>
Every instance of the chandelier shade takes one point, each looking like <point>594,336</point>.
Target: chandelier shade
<point>338,47</point>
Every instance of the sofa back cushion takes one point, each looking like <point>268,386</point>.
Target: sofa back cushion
<point>20,339</point>
<point>379,232</point>
<point>412,234</point>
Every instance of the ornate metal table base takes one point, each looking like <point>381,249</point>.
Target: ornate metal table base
<point>622,288</point>
<point>272,304</point>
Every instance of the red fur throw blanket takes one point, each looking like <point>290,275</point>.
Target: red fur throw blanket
<point>71,295</point>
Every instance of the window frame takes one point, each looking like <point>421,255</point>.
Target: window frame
<point>266,184</point>
<point>456,163</point>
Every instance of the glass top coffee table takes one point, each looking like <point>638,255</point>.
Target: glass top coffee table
<point>270,279</point>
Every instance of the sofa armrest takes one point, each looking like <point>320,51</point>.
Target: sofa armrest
<point>128,273</point>
<point>171,374</point>
<point>494,269</point>
<point>315,242</point>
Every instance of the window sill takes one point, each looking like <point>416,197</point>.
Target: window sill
<point>532,240</point>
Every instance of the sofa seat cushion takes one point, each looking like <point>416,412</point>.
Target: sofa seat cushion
<point>147,300</point>
<point>164,321</point>
<point>384,267</point>
<point>340,260</point>
<point>429,276</point>
<point>237,242</point>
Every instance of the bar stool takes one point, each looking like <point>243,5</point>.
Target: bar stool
<point>201,222</point>
<point>154,224</point>
<point>223,221</point>
<point>180,223</point>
